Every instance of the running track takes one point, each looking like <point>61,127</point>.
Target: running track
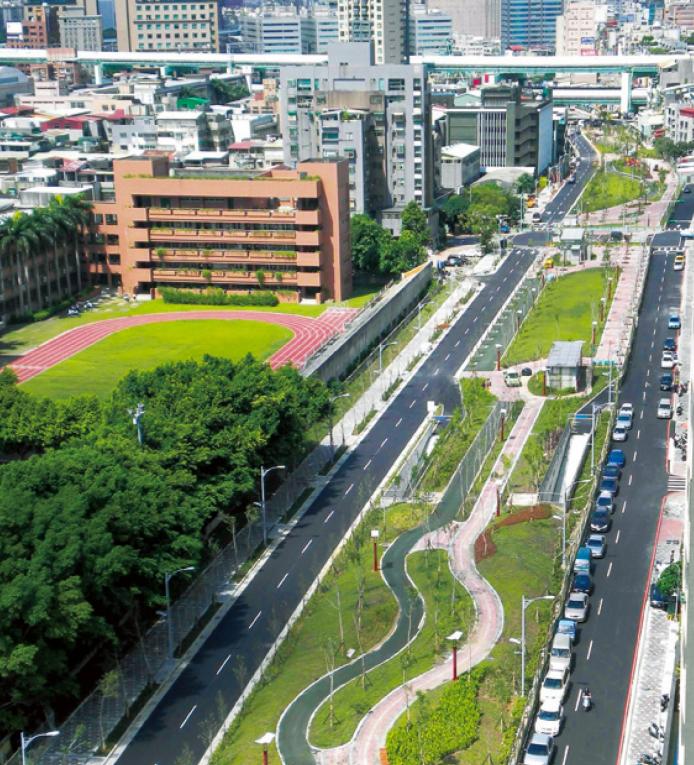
<point>309,335</point>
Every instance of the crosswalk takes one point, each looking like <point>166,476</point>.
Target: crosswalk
<point>676,483</point>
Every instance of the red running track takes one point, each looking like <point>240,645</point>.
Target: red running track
<point>309,335</point>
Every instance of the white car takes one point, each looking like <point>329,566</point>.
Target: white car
<point>625,419</point>
<point>679,263</point>
<point>626,408</point>
<point>619,433</point>
<point>549,718</point>
<point>668,360</point>
<point>560,653</point>
<point>576,607</point>
<point>664,409</point>
<point>554,686</point>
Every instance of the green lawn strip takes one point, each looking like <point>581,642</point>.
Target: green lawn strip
<point>98,368</point>
<point>364,288</point>
<point>458,434</point>
<point>302,657</point>
<point>565,310</point>
<point>606,189</point>
<point>445,613</point>
<point>639,170</point>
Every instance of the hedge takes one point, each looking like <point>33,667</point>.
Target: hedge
<point>436,730</point>
<point>216,296</point>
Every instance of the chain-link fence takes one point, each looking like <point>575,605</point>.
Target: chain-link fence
<point>87,732</point>
<point>410,470</point>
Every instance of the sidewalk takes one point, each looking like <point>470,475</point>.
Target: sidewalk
<point>459,539</point>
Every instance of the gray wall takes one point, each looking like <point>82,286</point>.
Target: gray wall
<point>369,326</point>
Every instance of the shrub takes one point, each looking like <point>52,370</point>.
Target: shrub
<point>216,296</point>
<point>670,580</point>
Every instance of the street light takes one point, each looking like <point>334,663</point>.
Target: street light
<point>263,504</point>
<point>137,420</point>
<point>454,637</point>
<point>374,535</point>
<point>24,742</point>
<point>169,620</point>
<point>330,424</point>
<point>265,740</point>
<point>519,318</point>
<point>381,346</point>
<point>595,334</point>
<point>525,602</point>
<point>501,426</point>
<point>498,356</point>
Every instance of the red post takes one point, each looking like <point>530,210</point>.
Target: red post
<point>455,662</point>
<point>498,501</point>
<point>501,433</point>
<point>375,555</point>
<point>592,337</point>
<point>609,289</point>
<point>266,759</point>
<point>498,359</point>
<point>602,310</point>
<point>544,383</point>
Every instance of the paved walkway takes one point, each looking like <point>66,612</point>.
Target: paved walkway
<point>459,539</point>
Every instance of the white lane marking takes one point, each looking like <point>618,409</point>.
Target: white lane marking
<point>624,506</point>
<point>652,343</point>
<point>448,356</point>
<point>600,607</point>
<point>367,465</point>
<point>252,624</point>
<point>590,650</point>
<point>631,478</point>
<point>457,344</point>
<point>349,488</point>
<point>504,279</point>
<point>195,706</point>
<point>282,580</point>
<point>329,516</point>
<point>383,443</point>
<point>498,288</point>
<point>475,319</point>
<point>414,401</point>
<point>650,355</point>
<point>223,664</point>
<point>578,699</point>
<point>398,422</point>
<point>467,330</point>
<point>609,569</point>
<point>306,546</point>
<point>636,454</point>
<point>641,415</point>
<point>648,373</point>
<point>616,539</point>
<point>638,434</point>
<point>644,396</point>
<point>437,371</point>
<point>425,387</point>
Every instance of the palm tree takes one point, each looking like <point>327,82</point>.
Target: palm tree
<point>18,239</point>
<point>78,210</point>
<point>61,229</point>
<point>43,227</point>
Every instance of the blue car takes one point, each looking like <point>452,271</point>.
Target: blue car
<point>610,485</point>
<point>612,471</point>
<point>674,322</point>
<point>583,583</point>
<point>600,521</point>
<point>605,502</point>
<point>669,344</point>
<point>616,457</point>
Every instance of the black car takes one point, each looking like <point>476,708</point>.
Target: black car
<point>612,471</point>
<point>582,583</point>
<point>669,344</point>
<point>600,521</point>
<point>656,597</point>
<point>527,372</point>
<point>666,382</point>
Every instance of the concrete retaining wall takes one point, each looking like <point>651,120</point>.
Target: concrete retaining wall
<point>340,356</point>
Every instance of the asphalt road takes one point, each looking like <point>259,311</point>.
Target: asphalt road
<point>604,654</point>
<point>683,211</point>
<point>217,674</point>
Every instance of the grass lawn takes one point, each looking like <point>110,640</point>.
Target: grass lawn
<point>25,338</point>
<point>607,189</point>
<point>364,288</point>
<point>98,368</point>
<point>565,310</point>
<point>301,659</point>
<point>433,579</point>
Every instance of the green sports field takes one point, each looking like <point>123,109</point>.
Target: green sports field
<point>98,368</point>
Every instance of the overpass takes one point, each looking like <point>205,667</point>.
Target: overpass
<point>585,96</point>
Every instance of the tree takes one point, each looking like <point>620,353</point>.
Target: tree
<point>18,241</point>
<point>414,219</point>
<point>670,581</point>
<point>453,209</point>
<point>78,211</point>
<point>223,91</point>
<point>368,241</point>
<point>402,254</point>
<point>525,184</point>
<point>482,221</point>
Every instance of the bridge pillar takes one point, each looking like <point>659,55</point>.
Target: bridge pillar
<point>625,93</point>
<point>162,72</point>
<point>98,74</point>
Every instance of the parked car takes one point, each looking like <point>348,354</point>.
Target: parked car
<point>674,321</point>
<point>597,545</point>
<point>605,501</point>
<point>612,471</point>
<point>664,409</point>
<point>625,419</point>
<point>667,360</point>
<point>610,485</point>
<point>549,718</point>
<point>576,607</point>
<point>567,627</point>
<point>454,261</point>
<point>600,521</point>
<point>627,408</point>
<point>656,597</point>
<point>666,382</point>
<point>619,433</point>
<point>512,378</point>
<point>537,217</point>
<point>554,686</point>
<point>679,263</point>
<point>669,344</point>
<point>582,564</point>
<point>583,583</point>
<point>526,372</point>
<point>540,750</point>
<point>616,457</point>
<point>560,652</point>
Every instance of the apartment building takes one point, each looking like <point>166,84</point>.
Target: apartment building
<point>378,117</point>
<point>175,25</point>
<point>286,31</point>
<point>431,32</point>
<point>181,132</point>
<point>78,30</point>
<point>471,18</point>
<point>382,22</point>
<point>530,24</point>
<point>679,122</point>
<point>281,230</point>
<point>38,28</point>
<point>578,28</point>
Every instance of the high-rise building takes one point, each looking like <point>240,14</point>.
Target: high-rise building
<point>288,31</point>
<point>577,28</point>
<point>175,25</point>
<point>530,24</point>
<point>378,117</point>
<point>383,22</point>
<point>471,18</point>
<point>79,31</point>
<point>38,28</point>
<point>431,32</point>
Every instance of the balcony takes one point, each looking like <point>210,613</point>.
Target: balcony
<point>246,278</point>
<point>165,234</point>
<point>212,214</point>
<point>308,279</point>
<point>308,259</point>
<point>224,256</point>
<point>308,238</point>
<point>308,218</point>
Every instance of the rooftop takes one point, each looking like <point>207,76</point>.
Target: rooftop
<point>565,353</point>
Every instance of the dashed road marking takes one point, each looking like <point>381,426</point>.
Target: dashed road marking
<point>590,650</point>
<point>631,478</point>
<point>600,607</point>
<point>448,356</point>
<point>636,456</point>
<point>349,488</point>
<point>616,539</point>
<point>624,506</point>
<point>367,465</point>
<point>331,513</point>
<point>457,344</point>
<point>306,546</point>
<point>426,385</point>
<point>397,424</point>
<point>282,580</point>
<point>638,434</point>
<point>383,443</point>
<point>255,619</point>
<point>609,569</point>
<point>223,664</point>
<point>195,706</point>
<point>414,401</point>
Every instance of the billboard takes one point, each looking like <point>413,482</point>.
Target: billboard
<point>587,41</point>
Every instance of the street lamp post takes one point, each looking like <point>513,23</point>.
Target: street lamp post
<point>263,504</point>
<point>525,602</point>
<point>265,740</point>
<point>169,621</point>
<point>24,741</point>
<point>454,637</point>
<point>519,319</point>
<point>498,356</point>
<point>137,421</point>
<point>594,335</point>
<point>330,423</point>
<point>501,424</point>
<point>381,346</point>
<point>374,536</point>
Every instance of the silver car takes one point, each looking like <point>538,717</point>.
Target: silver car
<point>549,718</point>
<point>664,409</point>
<point>540,750</point>
<point>576,607</point>
<point>554,686</point>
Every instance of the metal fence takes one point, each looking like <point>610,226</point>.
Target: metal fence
<point>410,470</point>
<point>552,482</point>
<point>113,702</point>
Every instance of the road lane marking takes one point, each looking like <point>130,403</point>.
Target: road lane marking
<point>467,330</point>
<point>578,699</point>
<point>609,570</point>
<point>414,401</point>
<point>425,387</point>
<point>448,356</point>
<point>600,607</point>
<point>252,624</point>
<point>349,488</point>
<point>306,546</point>
<point>397,424</point>
<point>383,443</point>
<point>566,754</point>
<point>624,506</point>
<point>282,580</point>
<point>644,396</point>
<point>638,434</point>
<point>329,516</point>
<point>616,539</point>
<point>590,650</point>
<point>223,664</point>
<point>437,371</point>
<point>648,373</point>
<point>195,706</point>
<point>475,319</point>
<point>630,479</point>
<point>641,415</point>
<point>636,454</point>
<point>367,465</point>
<point>457,344</point>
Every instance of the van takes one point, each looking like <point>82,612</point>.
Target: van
<point>560,655</point>
<point>582,562</point>
<point>512,378</point>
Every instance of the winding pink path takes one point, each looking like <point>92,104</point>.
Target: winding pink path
<point>309,335</point>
